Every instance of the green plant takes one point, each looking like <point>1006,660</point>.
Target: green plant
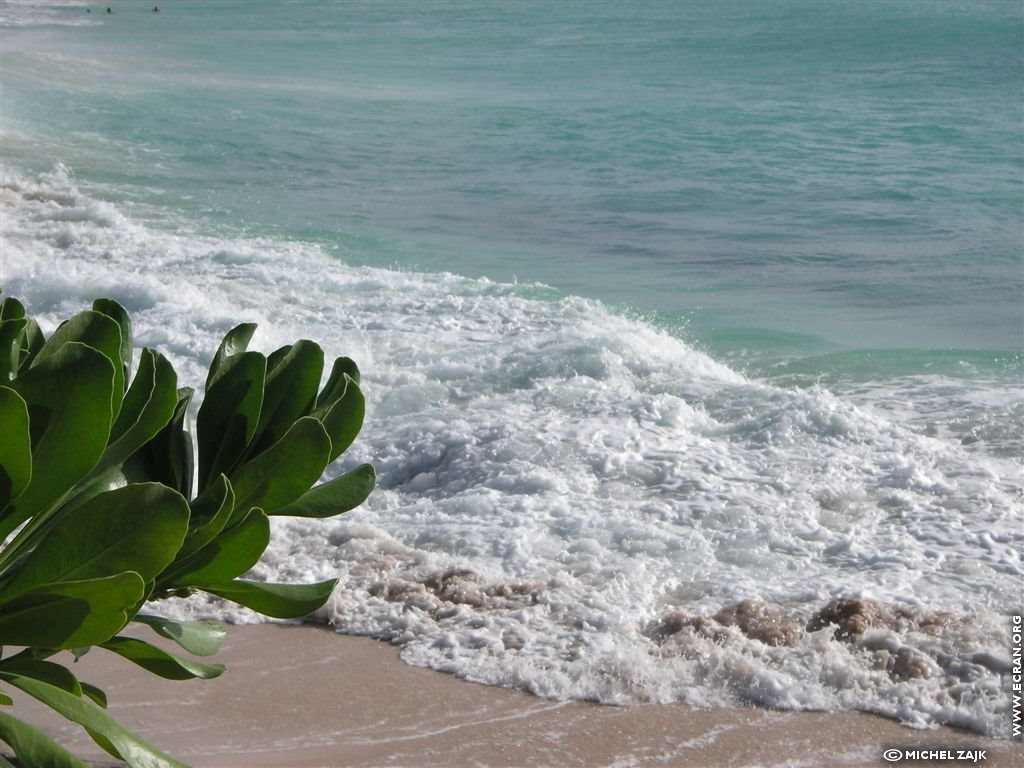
<point>98,514</point>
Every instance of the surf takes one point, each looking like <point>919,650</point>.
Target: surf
<point>574,502</point>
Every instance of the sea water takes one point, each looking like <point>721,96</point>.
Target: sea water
<point>678,322</point>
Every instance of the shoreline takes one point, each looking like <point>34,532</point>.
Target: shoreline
<point>306,697</point>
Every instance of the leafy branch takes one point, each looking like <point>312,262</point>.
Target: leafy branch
<point>106,505</point>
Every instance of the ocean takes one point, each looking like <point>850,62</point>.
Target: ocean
<point>679,322</point>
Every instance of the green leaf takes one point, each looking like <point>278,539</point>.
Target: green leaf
<point>231,554</point>
<point>5,701</point>
<point>211,513</point>
<point>68,396</point>
<point>119,315</point>
<point>129,747</point>
<point>33,748</point>
<point>11,309</point>
<point>333,497</point>
<point>94,693</point>
<point>281,474</point>
<point>210,504</point>
<point>70,614</point>
<point>235,342</point>
<point>87,489</point>
<point>15,447</point>
<point>136,528</point>
<point>47,671</point>
<point>343,418</point>
<point>335,386</point>
<point>148,407</point>
<point>293,375</point>
<point>11,332</point>
<point>160,662</point>
<point>281,601</point>
<point>202,638</point>
<point>229,415</point>
<point>32,341</point>
<point>95,330</point>
<point>139,393</point>
<point>168,457</point>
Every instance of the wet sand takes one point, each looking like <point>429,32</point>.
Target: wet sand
<point>304,696</point>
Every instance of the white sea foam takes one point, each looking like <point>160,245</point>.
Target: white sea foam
<point>33,13</point>
<point>574,502</point>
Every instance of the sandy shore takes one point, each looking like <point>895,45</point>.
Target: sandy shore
<point>304,696</point>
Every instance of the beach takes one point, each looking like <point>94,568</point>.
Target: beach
<point>689,334</point>
<point>304,697</point>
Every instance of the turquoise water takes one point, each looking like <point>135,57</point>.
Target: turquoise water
<point>660,306</point>
<point>773,176</point>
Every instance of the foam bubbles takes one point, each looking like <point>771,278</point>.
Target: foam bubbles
<point>573,502</point>
<point>33,13</point>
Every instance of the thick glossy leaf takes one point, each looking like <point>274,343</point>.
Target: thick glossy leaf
<point>138,395</point>
<point>202,638</point>
<point>335,386</point>
<point>11,309</point>
<point>147,593</point>
<point>33,748</point>
<point>89,488</point>
<point>148,407</point>
<point>333,497</point>
<point>15,446</point>
<point>160,662</point>
<point>229,415</point>
<point>68,397</point>
<point>94,693</point>
<point>126,745</point>
<point>293,376</point>
<point>343,418</point>
<point>211,513</point>
<point>70,614</point>
<point>281,601</point>
<point>136,528</point>
<point>210,504</point>
<point>176,444</point>
<point>119,315</point>
<point>231,554</point>
<point>31,343</point>
<point>285,471</point>
<point>47,671</point>
<point>235,342</point>
<point>168,457</point>
<point>97,331</point>
<point>44,620</point>
<point>12,327</point>
<point>11,332</point>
